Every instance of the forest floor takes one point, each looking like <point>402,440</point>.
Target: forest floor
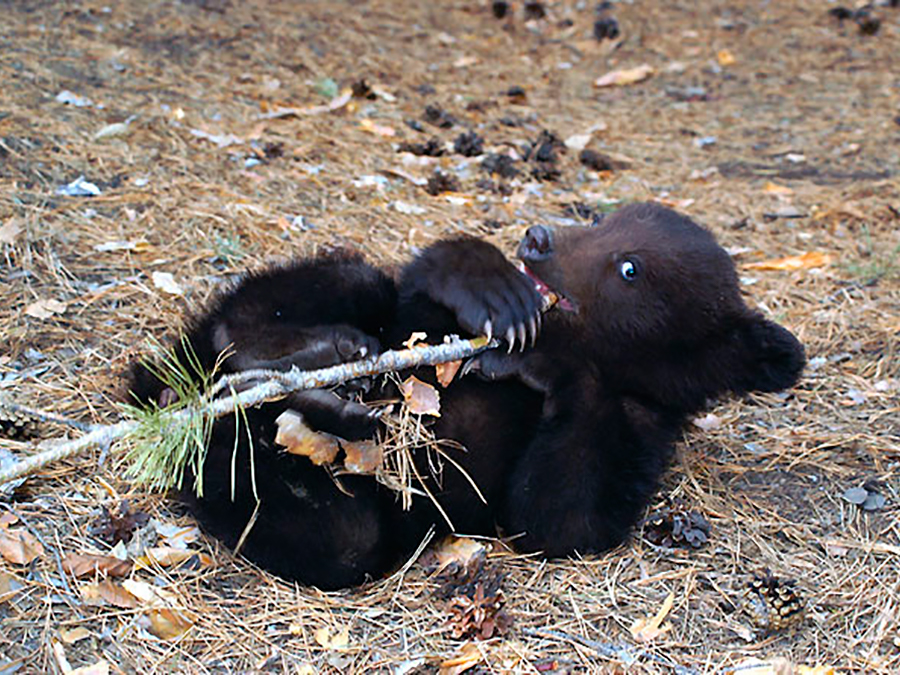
<point>775,124</point>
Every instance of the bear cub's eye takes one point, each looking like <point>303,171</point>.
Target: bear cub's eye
<point>628,270</point>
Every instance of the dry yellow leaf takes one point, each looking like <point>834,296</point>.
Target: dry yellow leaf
<point>421,398</point>
<point>167,556</point>
<point>725,58</point>
<point>298,439</point>
<point>804,261</point>
<point>377,129</point>
<point>775,189</point>
<point>338,640</point>
<point>619,78</point>
<point>453,550</point>
<point>168,624</point>
<point>649,628</point>
<point>74,635</point>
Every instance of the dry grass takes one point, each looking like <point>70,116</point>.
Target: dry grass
<point>769,478</point>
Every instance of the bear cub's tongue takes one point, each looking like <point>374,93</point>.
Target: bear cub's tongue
<point>548,295</point>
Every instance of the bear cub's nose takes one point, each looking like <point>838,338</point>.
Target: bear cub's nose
<point>537,244</point>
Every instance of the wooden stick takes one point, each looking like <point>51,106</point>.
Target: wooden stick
<point>276,385</point>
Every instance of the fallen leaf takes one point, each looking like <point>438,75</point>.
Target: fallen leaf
<point>725,58</point>
<point>466,61</point>
<point>7,519</point>
<point>168,556</point>
<point>137,245</point>
<point>165,282</point>
<point>469,656</point>
<point>648,629</point>
<point>578,142</point>
<point>44,309</point>
<point>421,398</point>
<point>377,129</point>
<point>82,565</point>
<point>108,593</point>
<point>178,536</point>
<point>336,103</point>
<point>362,456</point>
<point>776,666</point>
<point>618,78</point>
<point>154,596</point>
<point>298,439</point>
<point>9,586</point>
<point>19,546</point>
<point>99,668</point>
<point>775,189</point>
<point>168,624</point>
<point>447,371</point>
<point>9,231</point>
<point>339,640</point>
<point>74,635</point>
<point>708,422</point>
<point>407,208</point>
<point>791,263</point>
<point>456,552</point>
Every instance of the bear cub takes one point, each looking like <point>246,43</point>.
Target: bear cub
<point>566,428</point>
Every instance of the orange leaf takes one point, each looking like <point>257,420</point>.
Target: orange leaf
<point>168,624</point>
<point>299,439</point>
<point>362,456</point>
<point>82,565</point>
<point>456,551</point>
<point>19,547</point>
<point>725,58</point>
<point>446,372</point>
<point>649,628</point>
<point>796,262</point>
<point>421,398</point>
<point>775,189</point>
<point>469,656</point>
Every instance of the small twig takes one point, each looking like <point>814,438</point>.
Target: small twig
<point>42,415</point>
<point>620,652</point>
<point>277,385</point>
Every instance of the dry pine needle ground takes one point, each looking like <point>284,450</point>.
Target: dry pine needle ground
<point>773,123</point>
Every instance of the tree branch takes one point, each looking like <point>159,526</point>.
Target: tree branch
<point>275,385</point>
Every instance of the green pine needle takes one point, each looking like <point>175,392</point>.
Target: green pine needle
<point>169,440</point>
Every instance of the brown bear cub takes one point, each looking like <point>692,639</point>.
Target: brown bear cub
<point>567,428</point>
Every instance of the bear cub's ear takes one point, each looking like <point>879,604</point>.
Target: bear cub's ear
<point>774,357</point>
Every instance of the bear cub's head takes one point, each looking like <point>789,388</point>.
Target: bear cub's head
<point>657,303</point>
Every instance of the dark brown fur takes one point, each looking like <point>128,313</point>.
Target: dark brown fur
<point>567,439</point>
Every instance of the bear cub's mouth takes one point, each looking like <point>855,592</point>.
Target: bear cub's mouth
<point>550,296</point>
